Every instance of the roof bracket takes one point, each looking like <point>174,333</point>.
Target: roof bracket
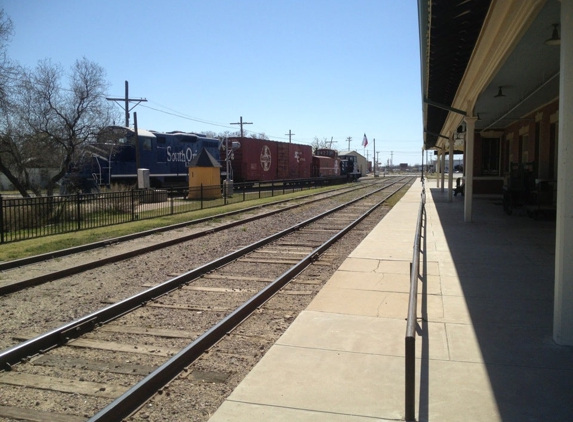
<point>444,107</point>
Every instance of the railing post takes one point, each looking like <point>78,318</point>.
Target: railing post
<point>410,339</point>
<point>410,393</point>
<point>171,196</point>
<point>201,195</point>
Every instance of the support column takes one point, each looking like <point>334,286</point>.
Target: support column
<point>438,170</point>
<point>563,306</point>
<point>443,166</point>
<point>451,173</point>
<point>469,168</point>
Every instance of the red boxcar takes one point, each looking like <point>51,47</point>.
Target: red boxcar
<point>325,163</point>
<point>264,160</point>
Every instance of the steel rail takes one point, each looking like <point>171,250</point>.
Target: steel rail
<point>100,244</point>
<point>132,399</point>
<point>410,340</point>
<point>55,275</point>
<point>74,329</point>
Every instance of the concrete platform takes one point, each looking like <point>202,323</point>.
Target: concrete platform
<point>484,351</point>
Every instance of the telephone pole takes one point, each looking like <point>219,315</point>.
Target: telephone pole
<point>374,157</point>
<point>241,123</point>
<point>127,100</point>
<point>289,136</point>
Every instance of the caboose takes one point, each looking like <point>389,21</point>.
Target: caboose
<point>325,163</point>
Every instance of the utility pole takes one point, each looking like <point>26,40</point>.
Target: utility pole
<point>127,100</point>
<point>241,123</point>
<point>289,136</point>
<point>348,140</point>
<point>374,158</point>
<point>392,158</point>
<point>137,150</point>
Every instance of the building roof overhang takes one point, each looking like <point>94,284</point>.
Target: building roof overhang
<point>471,48</point>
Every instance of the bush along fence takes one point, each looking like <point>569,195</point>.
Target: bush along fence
<point>28,218</point>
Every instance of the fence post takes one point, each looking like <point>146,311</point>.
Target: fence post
<point>1,219</point>
<point>78,211</point>
<point>132,204</point>
<point>201,195</point>
<point>225,191</point>
<point>171,195</point>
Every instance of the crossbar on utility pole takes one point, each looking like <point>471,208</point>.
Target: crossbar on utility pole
<point>289,136</point>
<point>241,123</point>
<point>127,100</point>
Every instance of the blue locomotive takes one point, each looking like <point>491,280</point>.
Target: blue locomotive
<point>117,153</point>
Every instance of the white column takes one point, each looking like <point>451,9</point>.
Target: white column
<point>563,307</point>
<point>438,169</point>
<point>469,168</point>
<point>451,173</point>
<point>443,166</point>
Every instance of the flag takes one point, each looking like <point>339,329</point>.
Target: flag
<point>365,141</point>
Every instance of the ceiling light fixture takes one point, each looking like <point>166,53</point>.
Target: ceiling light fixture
<point>499,93</point>
<point>555,39</point>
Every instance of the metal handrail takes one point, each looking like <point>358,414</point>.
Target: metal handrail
<point>410,341</point>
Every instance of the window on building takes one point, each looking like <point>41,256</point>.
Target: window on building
<point>490,157</point>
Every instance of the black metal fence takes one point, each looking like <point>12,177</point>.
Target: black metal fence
<point>27,218</point>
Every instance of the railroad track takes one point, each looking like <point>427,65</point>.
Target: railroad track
<point>138,345</point>
<point>12,283</point>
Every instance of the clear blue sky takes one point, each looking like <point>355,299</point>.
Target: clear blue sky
<point>324,68</point>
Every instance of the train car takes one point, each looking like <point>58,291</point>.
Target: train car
<point>265,160</point>
<point>349,167</point>
<point>112,158</point>
<point>325,163</point>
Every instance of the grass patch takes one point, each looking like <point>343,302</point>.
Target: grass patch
<point>393,200</point>
<point>42,245</point>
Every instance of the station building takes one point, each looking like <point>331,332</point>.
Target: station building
<point>497,84</point>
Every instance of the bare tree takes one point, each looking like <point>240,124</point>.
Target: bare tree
<point>43,125</point>
<point>261,135</point>
<point>6,67</point>
<point>319,143</point>
<point>12,150</point>
<point>56,122</point>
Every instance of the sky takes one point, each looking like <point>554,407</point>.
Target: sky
<point>318,68</point>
